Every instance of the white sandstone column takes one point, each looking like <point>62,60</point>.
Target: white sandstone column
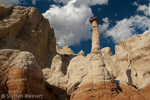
<point>95,36</point>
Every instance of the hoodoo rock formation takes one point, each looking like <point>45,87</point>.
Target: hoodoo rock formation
<point>32,64</point>
<point>95,36</point>
<point>92,77</point>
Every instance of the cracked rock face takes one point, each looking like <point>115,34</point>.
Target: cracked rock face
<point>132,60</point>
<point>25,29</point>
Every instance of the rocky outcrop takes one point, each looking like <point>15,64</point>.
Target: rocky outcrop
<point>25,29</point>
<point>132,60</point>
<point>106,90</point>
<point>127,75</point>
<point>21,75</point>
<point>64,50</point>
<point>108,58</point>
<point>81,53</point>
<point>82,70</point>
<point>56,75</point>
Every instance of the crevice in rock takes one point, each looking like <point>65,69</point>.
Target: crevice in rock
<point>49,87</point>
<point>117,82</point>
<point>145,74</point>
<point>66,58</point>
<point>132,85</point>
<point>105,84</point>
<point>69,97</point>
<point>128,73</point>
<point>136,74</point>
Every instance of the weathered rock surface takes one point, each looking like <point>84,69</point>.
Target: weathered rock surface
<point>20,74</point>
<point>64,50</point>
<point>25,29</point>
<point>106,90</point>
<point>81,53</point>
<point>108,58</point>
<point>95,36</point>
<point>82,70</point>
<point>90,69</point>
<point>56,75</point>
<point>132,60</point>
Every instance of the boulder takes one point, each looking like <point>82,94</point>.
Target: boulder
<point>21,75</point>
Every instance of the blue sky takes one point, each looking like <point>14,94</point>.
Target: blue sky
<point>118,19</point>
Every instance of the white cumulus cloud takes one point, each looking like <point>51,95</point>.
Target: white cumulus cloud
<point>104,26</point>
<point>145,9</point>
<point>131,26</point>
<point>71,23</point>
<point>128,27</point>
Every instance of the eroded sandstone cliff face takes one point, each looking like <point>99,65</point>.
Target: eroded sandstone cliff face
<point>25,29</point>
<point>27,44</point>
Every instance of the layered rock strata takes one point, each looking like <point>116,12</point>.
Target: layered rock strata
<point>106,90</point>
<point>21,77</point>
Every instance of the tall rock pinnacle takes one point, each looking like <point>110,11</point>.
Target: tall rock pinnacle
<point>95,36</point>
